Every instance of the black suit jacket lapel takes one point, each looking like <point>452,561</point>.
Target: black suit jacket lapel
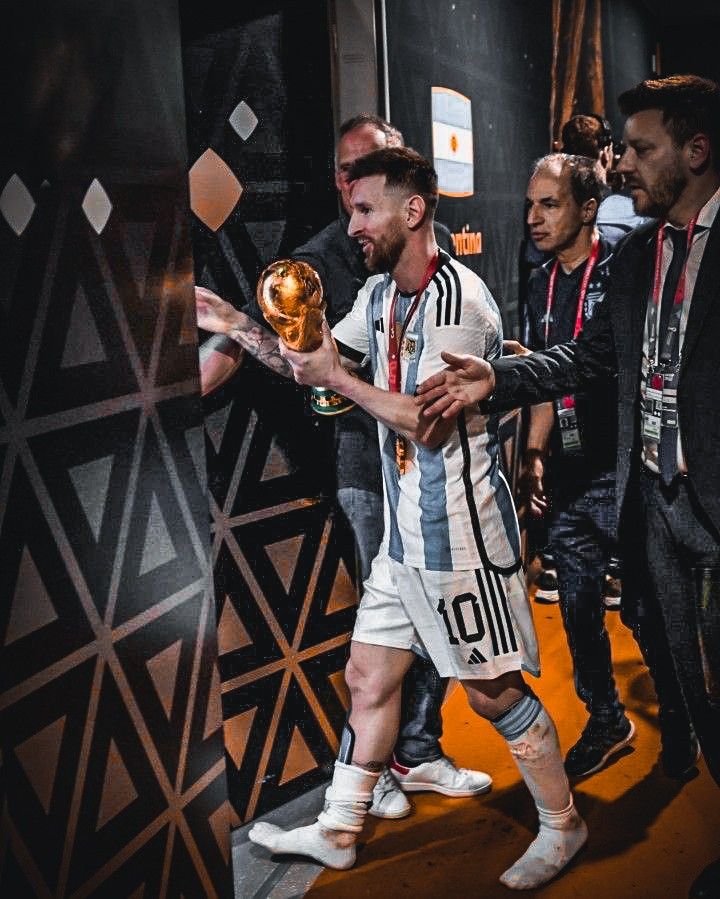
<point>638,297</point>
<point>706,290</point>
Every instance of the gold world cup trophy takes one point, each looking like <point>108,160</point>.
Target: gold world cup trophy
<point>290,295</point>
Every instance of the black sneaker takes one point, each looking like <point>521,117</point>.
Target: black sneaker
<point>546,586</point>
<point>596,744</point>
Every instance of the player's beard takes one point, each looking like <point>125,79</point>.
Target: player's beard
<point>386,251</point>
<point>657,200</point>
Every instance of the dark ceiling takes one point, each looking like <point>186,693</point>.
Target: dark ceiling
<point>683,11</point>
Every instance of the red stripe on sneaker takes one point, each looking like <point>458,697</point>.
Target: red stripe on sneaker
<point>396,766</point>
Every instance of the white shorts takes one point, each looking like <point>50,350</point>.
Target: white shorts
<point>472,624</point>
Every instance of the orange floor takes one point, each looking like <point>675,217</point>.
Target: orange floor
<point>649,836</point>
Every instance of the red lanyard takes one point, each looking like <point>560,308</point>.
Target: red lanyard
<point>395,341</point>
<point>589,265</point>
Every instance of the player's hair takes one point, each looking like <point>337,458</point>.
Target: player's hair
<point>586,182</point>
<point>689,105</point>
<point>404,169</point>
<point>586,135</point>
<point>393,135</point>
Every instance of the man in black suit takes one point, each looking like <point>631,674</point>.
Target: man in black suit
<point>658,332</point>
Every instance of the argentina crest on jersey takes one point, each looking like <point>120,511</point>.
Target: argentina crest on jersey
<point>408,350</point>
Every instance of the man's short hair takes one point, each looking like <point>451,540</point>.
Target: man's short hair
<point>689,104</point>
<point>393,135</point>
<point>586,183</point>
<point>404,169</point>
<point>586,135</point>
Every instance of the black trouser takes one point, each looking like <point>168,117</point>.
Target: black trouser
<point>580,536</point>
<point>680,540</point>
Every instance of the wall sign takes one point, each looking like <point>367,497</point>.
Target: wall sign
<point>452,142</point>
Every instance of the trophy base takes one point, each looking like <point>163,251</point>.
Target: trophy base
<point>327,402</point>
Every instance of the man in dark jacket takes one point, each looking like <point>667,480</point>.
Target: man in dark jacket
<point>659,331</point>
<point>570,470</point>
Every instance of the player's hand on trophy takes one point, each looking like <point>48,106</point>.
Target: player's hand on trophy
<point>466,381</point>
<point>213,313</point>
<point>321,367</point>
<point>290,295</point>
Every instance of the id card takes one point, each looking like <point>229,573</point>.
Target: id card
<point>652,407</point>
<point>568,424</point>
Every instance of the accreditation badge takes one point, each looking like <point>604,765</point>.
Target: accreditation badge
<point>652,405</point>
<point>568,424</point>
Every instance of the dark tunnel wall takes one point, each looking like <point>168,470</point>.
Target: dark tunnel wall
<point>258,98</point>
<point>113,773</point>
<point>497,55</point>
<point>629,47</point>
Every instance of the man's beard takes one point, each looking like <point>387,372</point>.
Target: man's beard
<point>386,253</point>
<point>657,201</point>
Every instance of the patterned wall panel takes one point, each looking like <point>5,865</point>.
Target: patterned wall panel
<point>260,137</point>
<point>113,775</point>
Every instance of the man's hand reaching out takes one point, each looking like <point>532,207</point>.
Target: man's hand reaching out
<point>465,382</point>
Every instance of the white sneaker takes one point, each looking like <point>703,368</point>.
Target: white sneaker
<point>389,801</point>
<point>441,776</point>
<point>612,592</point>
<point>546,586</point>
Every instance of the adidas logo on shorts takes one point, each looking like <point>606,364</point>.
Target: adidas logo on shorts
<point>476,658</point>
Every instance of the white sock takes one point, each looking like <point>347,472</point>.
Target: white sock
<point>313,841</point>
<point>348,798</point>
<point>562,831</point>
<point>347,801</point>
<point>561,835</point>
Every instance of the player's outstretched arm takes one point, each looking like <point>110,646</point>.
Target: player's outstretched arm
<point>323,368</point>
<point>465,382</point>
<point>220,317</point>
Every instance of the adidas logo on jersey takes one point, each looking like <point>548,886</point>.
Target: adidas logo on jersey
<point>476,658</point>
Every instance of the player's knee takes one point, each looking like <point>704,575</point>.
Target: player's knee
<point>483,705</point>
<point>491,698</point>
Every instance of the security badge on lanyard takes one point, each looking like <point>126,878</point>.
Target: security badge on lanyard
<point>395,343</point>
<point>660,406</point>
<point>565,406</point>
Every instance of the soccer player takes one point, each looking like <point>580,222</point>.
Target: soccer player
<point>448,573</point>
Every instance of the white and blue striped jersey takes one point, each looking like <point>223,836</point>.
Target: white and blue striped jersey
<point>452,510</point>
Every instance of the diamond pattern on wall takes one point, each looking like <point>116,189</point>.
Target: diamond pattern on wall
<point>283,559</point>
<point>97,206</point>
<point>214,189</point>
<point>110,718</point>
<point>16,204</point>
<point>243,120</point>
